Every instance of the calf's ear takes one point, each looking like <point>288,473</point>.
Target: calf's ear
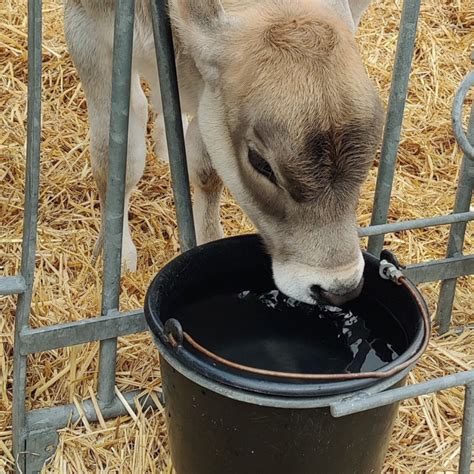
<point>203,26</point>
<point>357,8</point>
<point>350,11</point>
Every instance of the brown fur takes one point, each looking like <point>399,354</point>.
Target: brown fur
<point>294,75</point>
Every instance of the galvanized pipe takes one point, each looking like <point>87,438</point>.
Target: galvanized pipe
<point>443,269</point>
<point>467,436</point>
<point>116,176</point>
<point>100,328</point>
<point>33,150</point>
<point>393,125</point>
<point>457,231</point>
<point>463,141</point>
<point>415,224</point>
<point>165,59</point>
<point>362,403</point>
<point>57,417</point>
<point>12,285</point>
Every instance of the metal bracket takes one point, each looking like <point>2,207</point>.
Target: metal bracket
<point>174,332</point>
<point>390,268</point>
<point>40,448</point>
<point>388,271</point>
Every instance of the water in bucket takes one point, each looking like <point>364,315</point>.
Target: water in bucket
<point>273,332</point>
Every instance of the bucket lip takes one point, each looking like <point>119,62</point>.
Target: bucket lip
<point>323,386</point>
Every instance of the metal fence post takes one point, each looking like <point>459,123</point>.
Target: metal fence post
<point>33,150</point>
<point>393,124</point>
<point>462,204</point>
<point>467,436</point>
<point>165,59</point>
<point>116,175</point>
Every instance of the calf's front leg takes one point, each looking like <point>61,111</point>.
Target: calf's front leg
<point>207,187</point>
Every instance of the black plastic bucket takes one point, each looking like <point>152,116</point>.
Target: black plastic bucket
<point>229,417</point>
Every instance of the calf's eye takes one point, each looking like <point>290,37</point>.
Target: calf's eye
<point>262,166</point>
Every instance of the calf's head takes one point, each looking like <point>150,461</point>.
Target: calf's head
<point>291,123</point>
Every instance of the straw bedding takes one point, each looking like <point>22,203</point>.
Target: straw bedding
<point>68,285</point>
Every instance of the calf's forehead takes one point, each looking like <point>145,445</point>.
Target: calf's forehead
<point>299,97</point>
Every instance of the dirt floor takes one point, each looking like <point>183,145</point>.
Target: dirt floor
<point>68,284</point>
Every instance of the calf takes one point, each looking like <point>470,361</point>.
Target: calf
<point>284,115</point>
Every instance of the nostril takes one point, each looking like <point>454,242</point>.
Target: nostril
<point>316,291</point>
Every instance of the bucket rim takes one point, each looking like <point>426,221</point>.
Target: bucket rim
<point>171,338</point>
<point>275,400</point>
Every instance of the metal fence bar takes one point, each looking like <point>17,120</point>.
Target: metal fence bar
<point>467,437</point>
<point>42,424</point>
<point>457,232</point>
<point>117,168</point>
<point>58,417</point>
<point>165,59</point>
<point>362,403</point>
<point>393,124</point>
<point>415,224</point>
<point>79,332</point>
<point>117,324</point>
<point>440,269</point>
<point>12,285</point>
<point>33,149</point>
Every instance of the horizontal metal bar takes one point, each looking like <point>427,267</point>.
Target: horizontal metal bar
<point>444,269</point>
<point>368,402</point>
<point>79,332</point>
<point>416,224</point>
<point>58,417</point>
<point>12,285</point>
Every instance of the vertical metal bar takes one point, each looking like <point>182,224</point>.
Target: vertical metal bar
<point>116,170</point>
<point>174,128</point>
<point>33,145</point>
<point>467,437</point>
<point>457,234</point>
<point>393,125</point>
